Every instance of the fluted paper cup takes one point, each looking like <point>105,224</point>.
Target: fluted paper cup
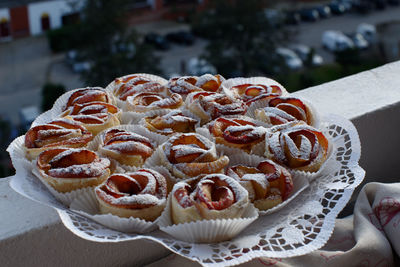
<point>87,205</point>
<point>206,231</point>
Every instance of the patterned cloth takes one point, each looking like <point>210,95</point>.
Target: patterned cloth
<point>369,237</point>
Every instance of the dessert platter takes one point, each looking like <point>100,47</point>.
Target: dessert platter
<point>218,171</point>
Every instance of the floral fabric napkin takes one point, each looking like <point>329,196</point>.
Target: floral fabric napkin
<point>369,237</point>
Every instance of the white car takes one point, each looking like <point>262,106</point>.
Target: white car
<point>303,51</point>
<point>199,66</point>
<point>290,58</point>
<point>368,31</point>
<point>359,41</point>
<point>336,41</point>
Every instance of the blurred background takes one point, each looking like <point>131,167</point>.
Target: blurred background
<point>49,47</point>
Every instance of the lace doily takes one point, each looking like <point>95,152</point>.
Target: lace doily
<point>302,226</point>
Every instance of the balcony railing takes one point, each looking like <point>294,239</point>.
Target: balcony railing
<point>32,234</point>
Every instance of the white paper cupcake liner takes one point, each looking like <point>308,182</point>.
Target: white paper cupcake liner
<point>226,85</point>
<point>87,205</point>
<point>64,198</point>
<point>206,231</point>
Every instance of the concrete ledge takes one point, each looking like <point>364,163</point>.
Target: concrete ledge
<point>32,235</point>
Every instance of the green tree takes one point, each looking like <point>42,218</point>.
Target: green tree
<point>111,48</point>
<point>50,93</point>
<point>242,39</point>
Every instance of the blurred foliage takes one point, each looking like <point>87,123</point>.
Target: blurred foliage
<point>109,46</point>
<point>64,38</point>
<point>50,93</point>
<point>240,37</point>
<point>5,139</point>
<point>326,73</point>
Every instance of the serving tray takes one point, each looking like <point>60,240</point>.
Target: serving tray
<point>302,226</point>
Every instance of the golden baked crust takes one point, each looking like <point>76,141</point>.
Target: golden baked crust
<point>240,132</point>
<point>215,196</point>
<point>67,169</point>
<point>126,147</point>
<point>57,133</point>
<point>190,154</point>
<point>268,184</point>
<point>297,146</point>
<point>140,194</point>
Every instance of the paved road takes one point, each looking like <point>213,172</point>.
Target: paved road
<point>26,64</point>
<point>310,33</point>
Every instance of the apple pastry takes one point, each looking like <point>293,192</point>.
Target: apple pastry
<point>189,84</point>
<point>143,102</point>
<point>125,147</point>
<point>89,94</point>
<point>190,154</point>
<point>239,132</point>
<point>170,123</point>
<point>209,106</point>
<point>268,184</point>
<point>250,93</point>
<point>57,133</point>
<point>141,194</point>
<point>94,116</point>
<point>137,83</point>
<point>280,110</point>
<point>215,196</point>
<point>68,169</point>
<point>299,147</point>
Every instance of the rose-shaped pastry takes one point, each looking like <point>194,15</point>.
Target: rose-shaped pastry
<point>170,123</point>
<point>68,169</point>
<point>189,84</point>
<point>87,95</point>
<point>268,184</point>
<point>58,133</point>
<point>281,110</point>
<point>141,194</point>
<point>299,147</point>
<point>94,116</point>
<point>239,132</point>
<point>142,102</point>
<point>250,93</point>
<point>136,83</point>
<point>215,196</point>
<point>190,154</point>
<point>126,147</point>
<point>209,106</point>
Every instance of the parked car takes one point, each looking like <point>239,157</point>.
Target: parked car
<point>292,17</point>
<point>158,41</point>
<point>181,37</point>
<point>323,11</point>
<point>77,64</point>
<point>303,51</point>
<point>290,58</point>
<point>309,14</point>
<point>362,6</point>
<point>336,41</point>
<point>358,40</point>
<point>199,66</point>
<point>368,31</point>
<point>275,17</point>
<point>337,8</point>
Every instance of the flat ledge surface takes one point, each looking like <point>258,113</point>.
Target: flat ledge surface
<point>361,97</point>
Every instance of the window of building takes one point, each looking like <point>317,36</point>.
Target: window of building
<point>45,21</point>
<point>4,27</point>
